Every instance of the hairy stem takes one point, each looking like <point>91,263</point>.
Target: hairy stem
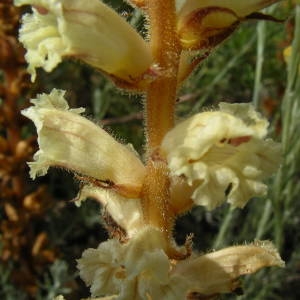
<point>159,109</point>
<point>161,93</point>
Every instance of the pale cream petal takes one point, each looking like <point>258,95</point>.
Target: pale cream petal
<point>146,275</point>
<point>222,154</point>
<point>218,272</point>
<point>127,213</point>
<point>102,268</point>
<point>60,297</point>
<point>143,289</point>
<point>176,288</point>
<point>149,269</point>
<point>248,115</point>
<point>92,32</point>
<point>69,140</point>
<point>204,129</point>
<point>241,8</point>
<point>147,241</point>
<point>136,270</point>
<point>205,24</point>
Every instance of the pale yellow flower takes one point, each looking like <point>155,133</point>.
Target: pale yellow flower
<point>136,270</point>
<point>92,32</point>
<point>140,269</point>
<point>218,272</point>
<point>102,268</point>
<point>204,24</point>
<point>71,141</point>
<point>222,154</point>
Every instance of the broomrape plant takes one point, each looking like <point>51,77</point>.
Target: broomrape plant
<point>212,157</point>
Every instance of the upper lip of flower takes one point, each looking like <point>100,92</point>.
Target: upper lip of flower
<point>54,31</point>
<point>71,141</point>
<point>204,24</point>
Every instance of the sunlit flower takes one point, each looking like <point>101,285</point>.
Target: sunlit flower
<point>140,269</point>
<point>218,272</point>
<point>204,24</point>
<point>71,141</point>
<point>102,268</point>
<point>92,32</point>
<point>223,154</point>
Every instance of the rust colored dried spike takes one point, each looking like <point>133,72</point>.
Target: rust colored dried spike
<point>20,242</point>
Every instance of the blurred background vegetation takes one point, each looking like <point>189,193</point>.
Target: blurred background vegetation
<point>42,233</point>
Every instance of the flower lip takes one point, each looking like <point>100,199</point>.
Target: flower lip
<point>241,8</point>
<point>222,155</point>
<point>207,27</point>
<point>205,24</point>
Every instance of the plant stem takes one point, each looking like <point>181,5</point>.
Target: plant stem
<point>156,195</point>
<point>159,111</point>
<point>161,93</point>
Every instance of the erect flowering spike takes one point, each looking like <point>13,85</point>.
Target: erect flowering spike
<point>69,140</point>
<point>222,154</point>
<point>92,32</point>
<point>204,24</point>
